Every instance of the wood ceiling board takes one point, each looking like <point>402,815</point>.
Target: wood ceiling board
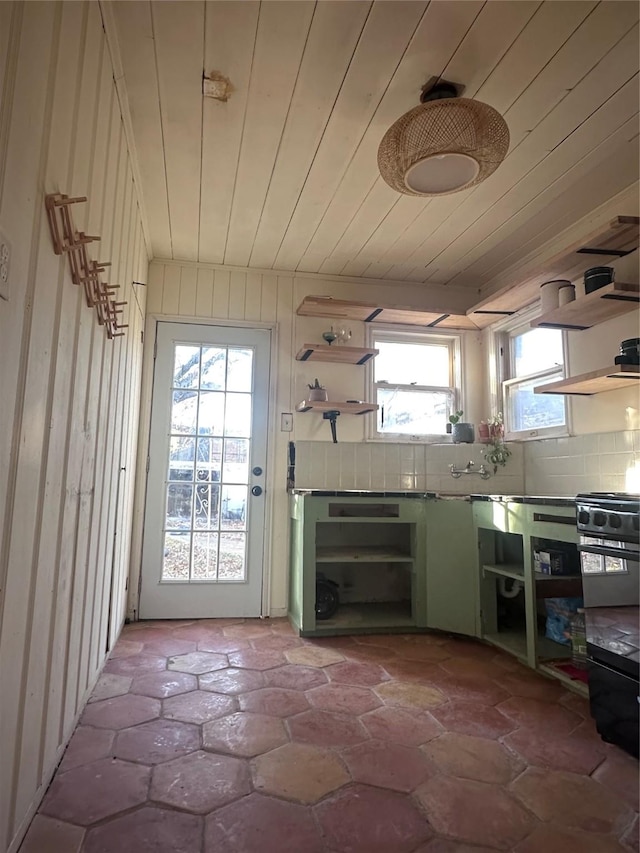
<point>438,35</point>
<point>137,50</point>
<point>230,34</point>
<point>593,308</point>
<point>332,39</point>
<point>282,33</point>
<point>606,96</point>
<point>566,264</point>
<point>607,379</point>
<point>537,123</point>
<point>382,44</point>
<point>178,30</point>
<point>335,354</point>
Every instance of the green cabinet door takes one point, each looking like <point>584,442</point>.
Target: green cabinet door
<point>452,568</point>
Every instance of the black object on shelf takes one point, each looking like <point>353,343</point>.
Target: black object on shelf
<point>597,277</point>
<point>327,597</point>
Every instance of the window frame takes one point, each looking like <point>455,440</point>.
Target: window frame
<point>414,335</point>
<point>503,335</point>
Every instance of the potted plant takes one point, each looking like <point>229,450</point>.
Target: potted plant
<point>462,433</point>
<point>317,392</point>
<point>497,452</point>
<point>492,428</point>
<point>453,419</point>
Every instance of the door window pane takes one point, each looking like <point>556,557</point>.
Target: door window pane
<point>186,366</point>
<point>237,421</point>
<point>205,556</point>
<point>239,370</point>
<point>207,507</point>
<point>179,506</point>
<point>211,417</point>
<point>184,412</point>
<point>175,566</point>
<point>234,507</point>
<point>209,460</point>
<point>181,458</point>
<point>236,460</point>
<point>232,556</point>
<point>214,365</point>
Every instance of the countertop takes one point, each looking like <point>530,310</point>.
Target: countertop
<point>355,493</point>
<point>541,500</point>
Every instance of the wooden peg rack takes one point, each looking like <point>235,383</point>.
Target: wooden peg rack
<point>85,272</point>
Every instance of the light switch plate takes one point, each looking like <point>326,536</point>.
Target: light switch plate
<point>286,422</point>
<point>5,265</point>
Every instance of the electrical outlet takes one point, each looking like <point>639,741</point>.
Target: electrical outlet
<point>5,265</point>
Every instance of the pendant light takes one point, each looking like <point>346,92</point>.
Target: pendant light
<point>445,145</point>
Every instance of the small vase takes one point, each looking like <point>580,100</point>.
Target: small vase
<point>484,433</point>
<point>318,395</point>
<point>463,433</point>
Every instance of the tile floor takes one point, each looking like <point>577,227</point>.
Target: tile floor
<point>236,736</point>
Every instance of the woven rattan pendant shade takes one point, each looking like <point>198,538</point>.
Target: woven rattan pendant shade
<point>451,129</point>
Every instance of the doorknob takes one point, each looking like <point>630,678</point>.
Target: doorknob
<point>256,490</point>
<point>257,471</point>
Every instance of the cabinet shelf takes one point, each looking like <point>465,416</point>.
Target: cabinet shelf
<point>595,382</point>
<point>361,554</point>
<point>507,570</point>
<point>335,406</point>
<point>336,355</point>
<point>587,311</point>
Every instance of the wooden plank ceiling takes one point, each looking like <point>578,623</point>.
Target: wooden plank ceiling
<point>283,174</point>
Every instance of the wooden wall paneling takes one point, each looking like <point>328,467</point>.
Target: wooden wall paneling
<point>33,101</point>
<point>135,34</point>
<point>381,46</point>
<point>268,298</point>
<point>10,27</point>
<point>177,27</point>
<point>280,42</point>
<point>237,293</point>
<point>230,34</point>
<point>204,292</point>
<point>171,289</point>
<point>155,287</point>
<point>58,369</point>
<point>253,296</point>
<point>187,300</point>
<point>333,36</point>
<point>463,43</point>
<point>220,302</point>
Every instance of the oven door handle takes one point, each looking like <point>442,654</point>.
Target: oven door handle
<point>620,553</point>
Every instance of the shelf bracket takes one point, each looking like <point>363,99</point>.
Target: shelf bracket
<point>332,417</point>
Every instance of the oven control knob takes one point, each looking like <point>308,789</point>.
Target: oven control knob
<point>615,521</point>
<point>599,519</point>
<point>583,517</point>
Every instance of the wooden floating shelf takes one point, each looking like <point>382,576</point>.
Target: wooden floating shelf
<point>620,237</point>
<point>342,407</point>
<point>336,355</point>
<point>607,379</point>
<point>367,312</point>
<point>587,311</point>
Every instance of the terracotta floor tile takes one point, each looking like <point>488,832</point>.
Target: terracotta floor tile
<point>471,688</point>
<point>147,830</point>
<point>262,824</point>
<point>324,728</point>
<point>370,654</point>
<point>387,765</point>
<point>96,791</point>
<point>397,642</point>
<point>200,706</point>
<point>474,812</point>
<point>87,745</point>
<point>619,774</point>
<point>471,718</point>
<point>361,819</point>
<point>360,674</point>
<point>198,633</point>
<point>408,694</point>
<point>274,700</point>
<point>244,734</point>
<point>553,839</point>
<point>292,677</point>
<point>170,646</point>
<point>47,835</point>
<point>145,633</point>
<point>559,752</point>
<point>247,630</point>
<point>200,782</point>
<point>162,685</point>
<point>395,725</point>
<point>400,669</point>
<point>136,664</point>
<point>152,743</point>
<point>223,645</point>
<point>343,698</point>
<point>539,715</point>
<point>530,685</point>
<point>426,653</point>
<point>299,772</point>
<point>109,686</point>
<point>572,801</point>
<point>256,659</point>
<point>577,704</point>
<point>121,712</point>
<point>474,667</point>
<point>475,758</point>
<point>442,845</point>
<point>276,642</point>
<point>281,625</point>
<point>469,649</point>
<point>313,656</point>
<point>232,681</point>
<point>125,648</point>
<point>632,836</point>
<point>197,663</point>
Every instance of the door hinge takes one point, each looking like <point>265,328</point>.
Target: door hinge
<point>141,336</point>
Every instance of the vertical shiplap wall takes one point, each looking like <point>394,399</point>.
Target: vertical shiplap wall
<point>69,410</point>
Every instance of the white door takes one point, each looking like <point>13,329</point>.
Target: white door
<point>205,509</point>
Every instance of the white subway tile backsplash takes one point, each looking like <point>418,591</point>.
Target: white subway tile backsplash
<point>607,442</point>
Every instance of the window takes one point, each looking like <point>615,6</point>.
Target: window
<point>532,357</point>
<point>415,379</point>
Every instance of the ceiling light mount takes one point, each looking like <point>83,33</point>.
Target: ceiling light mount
<point>444,145</point>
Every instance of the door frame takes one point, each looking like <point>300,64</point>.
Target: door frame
<point>144,435</point>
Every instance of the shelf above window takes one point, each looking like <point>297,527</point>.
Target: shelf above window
<point>594,308</point>
<point>336,355</point>
<point>334,406</point>
<point>606,379</point>
<point>373,312</point>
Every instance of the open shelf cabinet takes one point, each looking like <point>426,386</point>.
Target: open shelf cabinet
<point>335,354</point>
<point>603,304</point>
<point>595,382</point>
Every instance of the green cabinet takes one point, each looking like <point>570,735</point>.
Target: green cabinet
<point>372,548</point>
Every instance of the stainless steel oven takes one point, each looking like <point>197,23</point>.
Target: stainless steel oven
<point>609,527</point>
